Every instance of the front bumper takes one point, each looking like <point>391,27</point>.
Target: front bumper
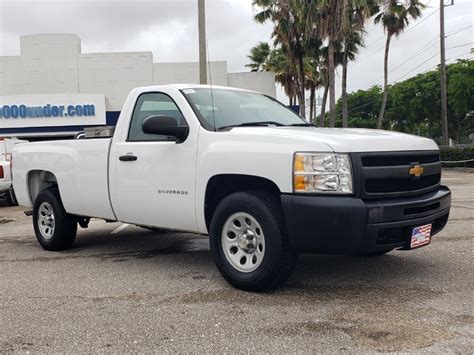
<point>345,225</point>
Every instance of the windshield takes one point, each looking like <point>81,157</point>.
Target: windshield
<point>227,108</point>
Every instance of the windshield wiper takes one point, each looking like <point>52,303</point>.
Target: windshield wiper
<point>252,124</point>
<point>302,125</point>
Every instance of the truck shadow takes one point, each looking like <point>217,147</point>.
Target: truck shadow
<point>189,251</point>
<point>3,202</point>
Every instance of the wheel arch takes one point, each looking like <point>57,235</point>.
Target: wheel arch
<point>40,180</point>
<point>222,185</point>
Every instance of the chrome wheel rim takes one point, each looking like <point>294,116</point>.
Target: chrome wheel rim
<point>46,221</point>
<point>243,242</point>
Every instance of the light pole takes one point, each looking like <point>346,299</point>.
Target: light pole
<point>202,42</point>
<point>444,99</point>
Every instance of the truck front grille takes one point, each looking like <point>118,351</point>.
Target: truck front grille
<point>400,185</point>
<point>387,174</point>
<point>394,160</point>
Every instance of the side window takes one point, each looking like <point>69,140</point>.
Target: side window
<point>152,104</point>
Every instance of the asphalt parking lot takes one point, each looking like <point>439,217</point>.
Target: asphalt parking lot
<point>129,289</point>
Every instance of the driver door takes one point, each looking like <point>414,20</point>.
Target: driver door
<point>154,175</point>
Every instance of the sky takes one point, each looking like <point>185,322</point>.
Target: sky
<point>169,30</point>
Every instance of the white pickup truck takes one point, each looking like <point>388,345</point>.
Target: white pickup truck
<point>242,168</point>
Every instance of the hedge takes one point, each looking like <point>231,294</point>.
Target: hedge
<point>458,154</point>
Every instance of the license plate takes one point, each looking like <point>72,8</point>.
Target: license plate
<point>420,236</point>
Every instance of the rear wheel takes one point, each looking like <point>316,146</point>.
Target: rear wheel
<point>249,242</point>
<point>55,229</point>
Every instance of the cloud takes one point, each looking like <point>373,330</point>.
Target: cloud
<point>416,49</point>
<point>169,30</point>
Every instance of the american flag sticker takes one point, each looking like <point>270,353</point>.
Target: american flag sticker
<point>420,236</point>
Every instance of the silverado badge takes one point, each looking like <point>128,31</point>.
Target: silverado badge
<point>416,171</point>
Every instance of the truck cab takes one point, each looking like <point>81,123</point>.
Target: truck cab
<point>239,166</point>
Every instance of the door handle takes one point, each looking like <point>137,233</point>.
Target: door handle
<point>128,157</point>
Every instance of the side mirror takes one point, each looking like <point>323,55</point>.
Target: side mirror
<point>165,125</point>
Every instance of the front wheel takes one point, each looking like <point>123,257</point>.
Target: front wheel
<point>55,229</point>
<point>249,243</point>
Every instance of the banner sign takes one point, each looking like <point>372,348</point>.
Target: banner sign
<point>51,110</point>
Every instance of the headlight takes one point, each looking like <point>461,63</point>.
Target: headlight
<point>322,172</point>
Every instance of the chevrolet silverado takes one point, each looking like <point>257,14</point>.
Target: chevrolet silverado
<point>244,169</point>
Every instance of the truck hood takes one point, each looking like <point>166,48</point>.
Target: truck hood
<point>342,140</point>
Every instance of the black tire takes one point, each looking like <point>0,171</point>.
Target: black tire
<point>11,198</point>
<point>65,225</point>
<point>278,261</point>
<point>375,253</point>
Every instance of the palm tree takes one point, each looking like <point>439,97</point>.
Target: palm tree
<point>280,65</point>
<point>331,19</point>
<point>290,31</point>
<point>313,63</point>
<point>352,41</point>
<point>325,78</point>
<point>313,81</point>
<point>259,56</point>
<point>275,60</point>
<point>323,65</point>
<point>394,16</point>
<point>351,44</point>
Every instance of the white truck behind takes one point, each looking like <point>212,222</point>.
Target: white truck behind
<point>240,167</point>
<point>6,187</point>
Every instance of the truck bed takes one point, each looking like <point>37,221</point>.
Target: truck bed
<point>80,167</point>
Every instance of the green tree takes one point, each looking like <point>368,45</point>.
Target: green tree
<point>351,44</point>
<point>394,16</point>
<point>264,58</point>
<point>352,41</point>
<point>364,105</point>
<point>413,104</point>
<point>331,19</point>
<point>280,65</point>
<point>259,56</point>
<point>460,91</point>
<point>324,75</point>
<point>291,31</point>
<point>314,62</point>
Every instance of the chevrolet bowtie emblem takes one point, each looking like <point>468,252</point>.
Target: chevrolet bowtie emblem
<point>416,171</point>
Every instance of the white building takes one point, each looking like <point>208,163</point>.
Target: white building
<point>52,70</point>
